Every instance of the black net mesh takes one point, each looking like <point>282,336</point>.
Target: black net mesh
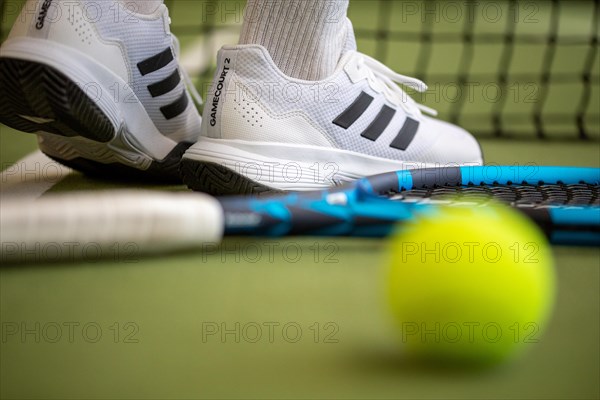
<point>510,69</point>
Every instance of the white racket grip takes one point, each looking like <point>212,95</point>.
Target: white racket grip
<point>139,222</point>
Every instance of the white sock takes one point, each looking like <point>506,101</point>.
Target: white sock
<point>146,7</point>
<point>305,38</point>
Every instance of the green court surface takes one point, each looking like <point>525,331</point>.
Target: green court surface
<point>153,327</point>
<point>307,318</point>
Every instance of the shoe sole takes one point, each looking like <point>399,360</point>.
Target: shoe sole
<point>36,98</point>
<point>225,167</point>
<point>218,180</point>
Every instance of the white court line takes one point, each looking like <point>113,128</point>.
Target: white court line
<point>32,176</point>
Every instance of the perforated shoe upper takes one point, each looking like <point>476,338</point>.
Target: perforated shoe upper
<point>355,109</point>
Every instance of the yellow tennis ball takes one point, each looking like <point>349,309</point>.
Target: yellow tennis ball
<point>470,284</point>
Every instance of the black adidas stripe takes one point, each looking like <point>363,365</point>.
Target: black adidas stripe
<point>156,62</point>
<point>177,107</point>
<point>166,85</point>
<point>354,111</point>
<point>406,134</point>
<point>379,123</point>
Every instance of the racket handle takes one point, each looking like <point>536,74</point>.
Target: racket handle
<point>106,224</point>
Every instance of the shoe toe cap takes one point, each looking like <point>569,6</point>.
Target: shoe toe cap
<point>454,145</point>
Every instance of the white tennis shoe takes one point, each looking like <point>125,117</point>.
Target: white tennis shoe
<point>263,131</point>
<point>101,86</point>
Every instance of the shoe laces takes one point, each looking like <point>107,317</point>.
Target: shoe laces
<point>382,79</point>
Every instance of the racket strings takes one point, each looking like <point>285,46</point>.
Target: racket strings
<point>581,194</point>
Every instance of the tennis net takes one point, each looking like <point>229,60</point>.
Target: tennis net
<point>508,69</point>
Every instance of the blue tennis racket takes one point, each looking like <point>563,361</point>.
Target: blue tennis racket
<point>563,201</point>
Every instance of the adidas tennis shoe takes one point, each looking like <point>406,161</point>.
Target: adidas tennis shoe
<point>263,131</point>
<point>101,86</point>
